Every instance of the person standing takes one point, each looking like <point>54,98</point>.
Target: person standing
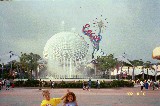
<point>52,84</point>
<point>142,84</point>
<point>146,85</point>
<point>40,84</point>
<point>157,84</point>
<point>153,85</point>
<point>3,83</point>
<point>89,85</point>
<point>0,84</point>
<point>8,84</point>
<point>85,85</point>
<point>98,84</point>
<point>43,83</point>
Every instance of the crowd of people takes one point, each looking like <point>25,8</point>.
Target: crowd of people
<point>6,83</point>
<point>87,85</point>
<point>69,99</point>
<point>148,84</point>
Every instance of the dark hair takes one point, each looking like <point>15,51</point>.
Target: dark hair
<point>66,98</point>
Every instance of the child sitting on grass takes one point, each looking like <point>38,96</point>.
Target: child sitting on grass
<point>50,101</point>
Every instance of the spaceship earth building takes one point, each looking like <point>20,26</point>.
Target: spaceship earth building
<point>64,51</point>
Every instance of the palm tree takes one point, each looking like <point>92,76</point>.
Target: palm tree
<point>156,71</point>
<point>148,65</point>
<point>136,63</point>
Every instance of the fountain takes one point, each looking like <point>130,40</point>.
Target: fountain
<point>68,54</point>
<point>65,53</point>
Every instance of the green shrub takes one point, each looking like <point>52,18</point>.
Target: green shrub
<point>19,83</point>
<point>78,84</point>
<point>32,83</point>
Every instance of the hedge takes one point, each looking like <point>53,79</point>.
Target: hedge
<point>73,84</point>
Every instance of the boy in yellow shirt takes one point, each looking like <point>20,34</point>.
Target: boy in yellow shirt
<point>50,101</point>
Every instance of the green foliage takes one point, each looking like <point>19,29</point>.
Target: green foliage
<point>122,83</point>
<point>106,62</point>
<point>32,83</point>
<point>29,62</point>
<point>19,83</point>
<point>137,63</point>
<point>75,84</point>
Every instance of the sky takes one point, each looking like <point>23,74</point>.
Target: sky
<point>133,25</point>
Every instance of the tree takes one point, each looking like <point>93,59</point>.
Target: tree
<point>106,63</point>
<point>148,65</point>
<point>136,63</point>
<point>29,63</point>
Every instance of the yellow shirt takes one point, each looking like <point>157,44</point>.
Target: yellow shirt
<point>51,102</point>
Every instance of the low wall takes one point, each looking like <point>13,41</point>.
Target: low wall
<point>69,80</point>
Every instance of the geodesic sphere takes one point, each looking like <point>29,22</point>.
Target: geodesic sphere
<point>66,45</point>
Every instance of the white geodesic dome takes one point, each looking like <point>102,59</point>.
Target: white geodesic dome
<point>67,44</point>
<point>63,50</point>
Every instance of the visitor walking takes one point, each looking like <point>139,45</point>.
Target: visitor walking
<point>146,85</point>
<point>85,85</point>
<point>1,84</point>
<point>8,84</point>
<point>153,85</point>
<point>43,83</point>
<point>40,84</point>
<point>52,84</point>
<point>3,81</point>
<point>98,84</point>
<point>157,84</point>
<point>89,84</point>
<point>142,84</point>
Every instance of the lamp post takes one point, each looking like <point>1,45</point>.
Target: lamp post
<point>133,77</point>
<point>143,72</point>
<point>2,69</point>
<point>30,68</point>
<point>156,72</point>
<point>143,66</point>
<point>20,71</point>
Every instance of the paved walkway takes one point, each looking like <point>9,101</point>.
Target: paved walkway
<point>95,97</point>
